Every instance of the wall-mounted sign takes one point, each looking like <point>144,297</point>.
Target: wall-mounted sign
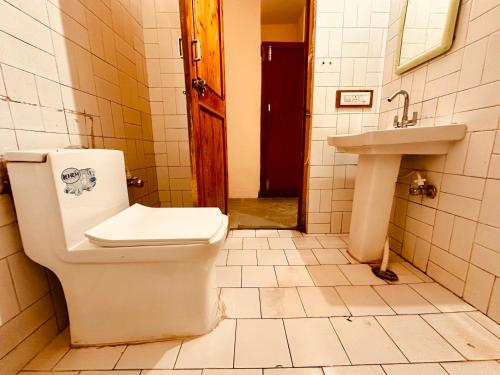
<point>354,99</point>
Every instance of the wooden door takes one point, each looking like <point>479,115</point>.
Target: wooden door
<point>282,118</point>
<point>203,47</point>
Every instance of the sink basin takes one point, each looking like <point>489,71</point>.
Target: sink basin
<point>380,154</point>
<point>415,141</point>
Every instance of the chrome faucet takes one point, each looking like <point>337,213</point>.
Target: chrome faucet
<point>404,120</point>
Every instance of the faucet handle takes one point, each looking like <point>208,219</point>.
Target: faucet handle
<point>413,120</point>
<point>396,122</point>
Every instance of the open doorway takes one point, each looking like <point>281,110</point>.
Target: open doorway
<point>266,122</point>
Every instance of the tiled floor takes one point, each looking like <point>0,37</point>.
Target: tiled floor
<point>263,213</point>
<point>298,305</point>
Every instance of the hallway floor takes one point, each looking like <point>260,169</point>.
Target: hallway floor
<point>299,305</point>
<point>248,213</point>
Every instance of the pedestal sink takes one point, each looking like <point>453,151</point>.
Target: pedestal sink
<point>380,155</point>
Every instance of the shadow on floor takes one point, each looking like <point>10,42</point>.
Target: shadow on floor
<point>272,213</point>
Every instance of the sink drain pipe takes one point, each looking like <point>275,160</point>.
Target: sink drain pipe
<point>382,271</point>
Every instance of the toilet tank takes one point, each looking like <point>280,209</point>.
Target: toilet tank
<point>61,193</point>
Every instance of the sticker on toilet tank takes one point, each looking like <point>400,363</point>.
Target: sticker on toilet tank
<point>78,180</point>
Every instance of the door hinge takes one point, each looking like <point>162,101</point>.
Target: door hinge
<point>269,53</point>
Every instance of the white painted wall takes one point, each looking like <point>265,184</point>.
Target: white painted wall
<point>242,38</point>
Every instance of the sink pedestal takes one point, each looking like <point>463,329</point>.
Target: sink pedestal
<point>374,189</point>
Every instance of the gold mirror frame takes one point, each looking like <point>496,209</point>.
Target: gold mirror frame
<point>446,40</point>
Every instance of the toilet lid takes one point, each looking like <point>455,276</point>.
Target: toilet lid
<point>140,225</point>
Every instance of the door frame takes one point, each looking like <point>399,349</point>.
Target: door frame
<point>263,112</point>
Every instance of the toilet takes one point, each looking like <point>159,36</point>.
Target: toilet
<point>129,273</point>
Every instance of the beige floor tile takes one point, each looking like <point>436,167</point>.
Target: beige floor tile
<point>365,341</point>
<point>348,256</point>
<point>300,257</point>
<point>232,372</point>
<point>293,371</point>
<point>405,276</point>
<point>404,300</point>
<point>360,274</point>
<point>472,368</point>
<point>289,233</point>
<point>362,300</point>
<point>486,322</point>
<point>213,350</point>
<point>293,276</point>
<point>243,233</point>
<point>442,298</point>
<point>322,302</point>
<point>221,259</point>
<point>471,339</point>
<point>306,243</point>
<point>281,303</point>
<point>418,341</point>
<point>331,242</point>
<point>281,243</point>
<point>267,233</point>
<point>51,354</point>
<point>242,258</point>
<point>313,342</point>
<point>241,302</point>
<point>255,243</point>
<point>271,258</point>
<point>261,343</point>
<point>422,276</point>
<point>330,256</point>
<point>228,276</point>
<point>414,369</point>
<point>106,372</point>
<point>259,276</point>
<point>233,243</point>
<point>51,373</point>
<point>167,372</point>
<point>103,358</point>
<point>156,355</point>
<point>354,370</point>
<point>327,275</point>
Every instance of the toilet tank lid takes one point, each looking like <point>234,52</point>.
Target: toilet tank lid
<point>36,155</point>
<point>139,225</point>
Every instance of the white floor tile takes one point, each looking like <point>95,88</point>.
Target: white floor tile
<point>415,369</point>
<point>259,276</point>
<point>267,233</point>
<point>255,243</point>
<point>51,354</point>
<point>242,258</point>
<point>241,302</point>
<point>404,300</point>
<point>348,256</point>
<point>289,233</point>
<point>472,368</point>
<point>271,258</point>
<point>306,243</point>
<point>112,372</point>
<point>327,275</point>
<point>404,274</point>
<point>471,339</point>
<point>418,341</point>
<point>313,342</point>
<point>103,358</point>
<point>261,343</point>
<point>281,303</point>
<point>156,355</point>
<point>330,256</point>
<point>486,322</point>
<point>354,370</point>
<point>281,243</point>
<point>243,233</point>
<point>331,242</point>
<point>213,350</point>
<point>365,341</point>
<point>362,300</point>
<point>293,276</point>
<point>442,298</point>
<point>300,257</point>
<point>55,373</point>
<point>360,274</point>
<point>322,302</point>
<point>422,276</point>
<point>232,372</point>
<point>228,276</point>
<point>221,259</point>
<point>233,243</point>
<point>293,371</point>
<point>161,372</point>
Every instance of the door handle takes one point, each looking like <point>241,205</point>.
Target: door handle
<point>199,85</point>
<point>197,50</point>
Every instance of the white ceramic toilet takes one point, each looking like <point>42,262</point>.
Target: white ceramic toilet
<point>129,274</point>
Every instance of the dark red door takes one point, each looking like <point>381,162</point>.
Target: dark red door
<point>282,118</point>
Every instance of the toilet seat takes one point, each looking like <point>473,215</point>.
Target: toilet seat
<point>139,225</point>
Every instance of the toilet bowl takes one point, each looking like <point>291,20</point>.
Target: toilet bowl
<point>129,273</point>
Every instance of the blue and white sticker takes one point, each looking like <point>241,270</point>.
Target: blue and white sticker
<point>78,180</point>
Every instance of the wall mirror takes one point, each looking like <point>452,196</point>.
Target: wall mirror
<point>426,31</point>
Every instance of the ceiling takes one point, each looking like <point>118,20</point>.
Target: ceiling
<point>281,11</point>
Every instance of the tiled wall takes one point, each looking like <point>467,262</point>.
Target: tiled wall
<point>168,102</point>
<point>70,72</point>
<point>455,238</point>
<point>350,45</point>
